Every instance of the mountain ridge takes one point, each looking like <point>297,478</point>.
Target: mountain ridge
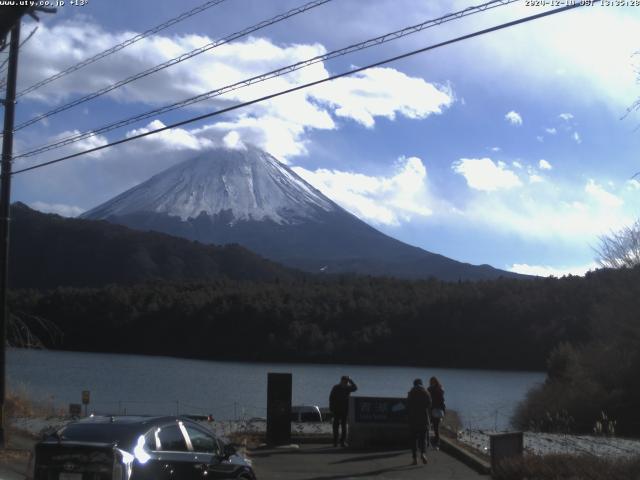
<point>248,197</point>
<point>48,251</point>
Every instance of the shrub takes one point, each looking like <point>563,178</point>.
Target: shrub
<point>569,467</point>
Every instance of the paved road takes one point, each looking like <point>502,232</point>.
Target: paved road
<point>320,462</point>
<point>324,462</point>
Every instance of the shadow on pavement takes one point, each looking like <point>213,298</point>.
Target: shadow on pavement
<point>270,451</point>
<point>366,458</point>
<point>371,473</point>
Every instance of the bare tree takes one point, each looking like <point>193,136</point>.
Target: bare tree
<point>620,249</point>
<point>21,330</point>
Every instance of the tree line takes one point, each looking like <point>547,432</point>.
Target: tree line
<point>501,324</point>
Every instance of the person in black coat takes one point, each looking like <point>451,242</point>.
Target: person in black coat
<point>418,406</point>
<point>437,408</point>
<point>339,406</point>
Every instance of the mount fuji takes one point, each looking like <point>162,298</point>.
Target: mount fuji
<point>250,198</point>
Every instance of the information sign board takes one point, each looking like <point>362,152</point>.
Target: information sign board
<point>380,410</point>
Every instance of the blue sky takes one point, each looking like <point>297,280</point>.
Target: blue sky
<point>509,149</point>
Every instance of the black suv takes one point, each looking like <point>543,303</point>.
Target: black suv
<point>137,448</point>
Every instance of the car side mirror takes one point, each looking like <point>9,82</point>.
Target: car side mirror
<point>228,451</point>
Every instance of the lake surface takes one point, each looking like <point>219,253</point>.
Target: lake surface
<point>227,390</point>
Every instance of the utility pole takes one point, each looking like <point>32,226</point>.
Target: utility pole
<point>5,204</point>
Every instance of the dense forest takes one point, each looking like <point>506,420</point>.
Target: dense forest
<point>504,324</point>
<point>592,386</point>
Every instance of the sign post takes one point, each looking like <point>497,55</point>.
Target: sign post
<point>505,445</point>
<point>75,409</point>
<point>86,398</point>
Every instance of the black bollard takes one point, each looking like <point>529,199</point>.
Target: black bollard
<point>279,408</point>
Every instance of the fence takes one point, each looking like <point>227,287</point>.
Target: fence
<point>232,411</point>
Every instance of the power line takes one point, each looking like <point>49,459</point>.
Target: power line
<point>120,46</point>
<point>306,85</point>
<point>269,75</point>
<point>3,70</point>
<point>176,60</point>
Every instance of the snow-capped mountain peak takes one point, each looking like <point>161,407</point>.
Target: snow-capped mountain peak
<point>248,183</point>
<point>249,198</point>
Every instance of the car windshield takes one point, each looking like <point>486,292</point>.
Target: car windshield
<point>101,433</point>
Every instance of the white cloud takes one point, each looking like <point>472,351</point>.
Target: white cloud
<point>385,200</point>
<point>544,212</point>
<point>279,125</point>
<point>566,116</point>
<point>563,213</point>
<point>173,139</point>
<point>232,141</point>
<point>535,178</point>
<point>58,208</point>
<point>551,131</point>
<point>602,196</point>
<point>576,137</point>
<point>545,55</point>
<point>516,164</point>
<point>383,92</point>
<point>483,174</point>
<point>84,144</point>
<point>540,138</point>
<point>277,135</point>
<point>633,184</point>
<point>495,149</point>
<point>548,271</point>
<point>513,118</point>
<point>544,165</point>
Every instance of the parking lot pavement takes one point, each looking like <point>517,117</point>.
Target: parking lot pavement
<point>14,459</point>
<point>324,462</point>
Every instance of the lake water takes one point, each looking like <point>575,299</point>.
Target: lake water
<point>164,385</point>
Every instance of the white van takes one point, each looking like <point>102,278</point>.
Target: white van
<point>306,413</point>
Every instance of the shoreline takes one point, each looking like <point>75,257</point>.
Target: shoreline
<point>280,362</point>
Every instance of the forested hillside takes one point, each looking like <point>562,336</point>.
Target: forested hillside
<point>48,250</point>
<point>503,324</point>
<point>592,385</point>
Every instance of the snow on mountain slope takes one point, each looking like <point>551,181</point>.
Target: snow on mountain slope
<point>251,184</point>
<point>249,198</point>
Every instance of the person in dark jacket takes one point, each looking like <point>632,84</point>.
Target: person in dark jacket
<point>339,406</point>
<point>418,406</point>
<point>437,408</point>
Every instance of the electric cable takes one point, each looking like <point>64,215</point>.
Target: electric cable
<point>3,70</point>
<point>269,75</point>
<point>174,61</point>
<point>304,86</point>
<point>120,46</point>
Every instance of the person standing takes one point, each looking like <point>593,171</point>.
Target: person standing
<point>418,406</point>
<point>437,408</point>
<point>339,406</point>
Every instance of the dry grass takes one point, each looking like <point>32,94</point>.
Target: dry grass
<point>451,423</point>
<point>247,440</point>
<point>19,404</point>
<point>568,467</point>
